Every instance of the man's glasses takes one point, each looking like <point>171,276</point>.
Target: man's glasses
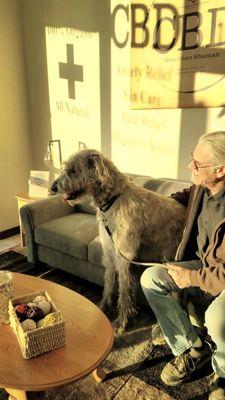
<point>197,166</point>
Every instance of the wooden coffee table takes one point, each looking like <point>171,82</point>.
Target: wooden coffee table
<point>89,339</point>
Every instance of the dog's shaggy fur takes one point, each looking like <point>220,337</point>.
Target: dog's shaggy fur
<point>141,224</point>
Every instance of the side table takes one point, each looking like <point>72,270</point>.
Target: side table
<point>23,199</point>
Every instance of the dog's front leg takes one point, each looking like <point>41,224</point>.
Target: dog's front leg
<point>110,283</point>
<point>127,295</point>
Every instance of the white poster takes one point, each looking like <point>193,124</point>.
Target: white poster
<point>74,88</point>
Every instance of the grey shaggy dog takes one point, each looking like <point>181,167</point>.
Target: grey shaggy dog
<point>134,224</point>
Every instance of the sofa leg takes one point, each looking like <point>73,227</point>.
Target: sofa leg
<point>99,374</point>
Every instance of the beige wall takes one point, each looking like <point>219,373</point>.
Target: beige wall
<point>15,156</point>
<point>25,131</point>
<point>121,139</point>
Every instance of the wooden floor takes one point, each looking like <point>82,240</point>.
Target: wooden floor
<point>11,242</point>
<point>132,376</point>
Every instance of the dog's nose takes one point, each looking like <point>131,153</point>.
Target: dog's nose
<point>54,186</point>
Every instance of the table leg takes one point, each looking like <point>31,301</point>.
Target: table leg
<point>99,374</point>
<point>15,394</point>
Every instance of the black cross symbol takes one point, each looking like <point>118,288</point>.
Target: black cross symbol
<point>70,71</point>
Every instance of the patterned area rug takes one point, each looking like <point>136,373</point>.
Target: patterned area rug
<point>134,364</point>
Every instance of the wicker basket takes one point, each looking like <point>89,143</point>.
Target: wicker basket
<point>39,340</point>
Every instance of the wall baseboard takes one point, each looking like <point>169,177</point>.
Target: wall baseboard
<point>9,232</point>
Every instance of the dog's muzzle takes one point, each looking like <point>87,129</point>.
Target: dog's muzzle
<point>54,187</point>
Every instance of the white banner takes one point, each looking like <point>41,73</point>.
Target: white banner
<point>74,88</point>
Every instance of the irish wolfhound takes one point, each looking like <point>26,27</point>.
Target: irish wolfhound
<point>134,224</point>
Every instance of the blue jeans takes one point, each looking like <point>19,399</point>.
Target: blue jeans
<point>158,287</point>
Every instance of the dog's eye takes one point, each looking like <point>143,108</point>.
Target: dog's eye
<point>71,172</point>
<point>90,162</point>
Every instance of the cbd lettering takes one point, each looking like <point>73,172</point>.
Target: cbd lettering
<point>146,24</point>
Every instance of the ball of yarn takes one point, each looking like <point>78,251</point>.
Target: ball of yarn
<point>40,323</point>
<point>39,298</point>
<point>31,304</point>
<point>28,325</point>
<point>45,306</point>
<point>21,311</point>
<point>35,313</point>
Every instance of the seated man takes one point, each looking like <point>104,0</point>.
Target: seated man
<point>200,271</point>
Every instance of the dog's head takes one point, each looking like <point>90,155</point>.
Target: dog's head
<point>85,173</point>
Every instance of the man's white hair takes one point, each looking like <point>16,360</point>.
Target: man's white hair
<point>215,142</point>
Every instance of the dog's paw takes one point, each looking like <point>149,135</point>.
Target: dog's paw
<point>119,331</point>
<point>119,326</point>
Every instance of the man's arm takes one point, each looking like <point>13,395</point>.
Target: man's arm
<point>209,279</point>
<point>182,197</point>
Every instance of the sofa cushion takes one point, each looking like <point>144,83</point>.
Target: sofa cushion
<point>164,186</point>
<point>70,234</point>
<point>95,251</point>
<point>172,186</point>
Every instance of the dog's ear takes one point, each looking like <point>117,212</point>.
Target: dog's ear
<point>97,165</point>
<point>70,169</point>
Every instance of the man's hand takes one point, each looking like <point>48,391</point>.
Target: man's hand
<point>180,275</point>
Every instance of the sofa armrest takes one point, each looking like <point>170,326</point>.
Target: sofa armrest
<point>38,212</point>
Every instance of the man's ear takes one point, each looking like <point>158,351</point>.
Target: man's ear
<point>220,172</point>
